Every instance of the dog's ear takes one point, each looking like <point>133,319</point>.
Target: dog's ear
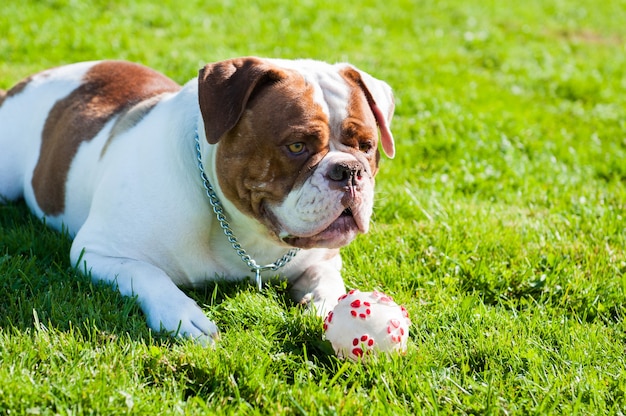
<point>224,89</point>
<point>380,99</point>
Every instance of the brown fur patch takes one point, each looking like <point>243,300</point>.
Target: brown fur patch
<point>224,89</point>
<point>355,79</point>
<point>108,88</point>
<point>254,164</point>
<point>359,130</point>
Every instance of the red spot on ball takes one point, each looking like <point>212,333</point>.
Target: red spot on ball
<point>351,292</point>
<point>362,316</point>
<point>370,342</point>
<point>367,311</point>
<point>342,297</point>
<point>356,303</point>
<point>405,313</point>
<point>401,331</point>
<point>353,313</point>
<point>386,299</point>
<point>355,342</point>
<point>395,323</point>
<point>367,304</point>
<point>364,337</point>
<point>357,351</point>
<point>325,327</point>
<point>330,316</point>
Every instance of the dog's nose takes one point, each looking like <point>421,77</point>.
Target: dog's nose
<point>346,173</point>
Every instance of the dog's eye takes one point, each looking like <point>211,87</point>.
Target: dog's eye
<point>365,147</point>
<point>296,148</point>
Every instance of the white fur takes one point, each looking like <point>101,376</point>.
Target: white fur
<point>312,208</point>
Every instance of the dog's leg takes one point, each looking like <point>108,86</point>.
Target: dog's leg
<point>166,307</point>
<point>319,287</point>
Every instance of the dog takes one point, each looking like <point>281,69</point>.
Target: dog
<point>163,186</point>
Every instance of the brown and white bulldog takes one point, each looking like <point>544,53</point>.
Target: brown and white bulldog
<point>108,151</point>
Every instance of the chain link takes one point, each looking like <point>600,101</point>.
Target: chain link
<point>228,232</point>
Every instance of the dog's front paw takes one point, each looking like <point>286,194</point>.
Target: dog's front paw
<point>319,287</point>
<point>319,307</point>
<point>183,319</point>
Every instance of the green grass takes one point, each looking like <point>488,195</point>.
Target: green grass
<point>500,224</point>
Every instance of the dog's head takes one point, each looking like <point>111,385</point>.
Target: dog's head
<point>297,144</point>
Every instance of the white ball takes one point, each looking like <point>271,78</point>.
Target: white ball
<point>365,322</point>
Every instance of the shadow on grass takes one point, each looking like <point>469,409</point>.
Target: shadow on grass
<point>239,306</point>
<point>39,284</point>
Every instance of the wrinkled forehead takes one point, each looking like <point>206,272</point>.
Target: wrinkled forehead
<point>331,91</point>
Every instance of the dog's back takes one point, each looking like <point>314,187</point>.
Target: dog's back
<point>23,112</point>
<point>46,117</point>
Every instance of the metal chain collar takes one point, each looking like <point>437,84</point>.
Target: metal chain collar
<point>228,232</point>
